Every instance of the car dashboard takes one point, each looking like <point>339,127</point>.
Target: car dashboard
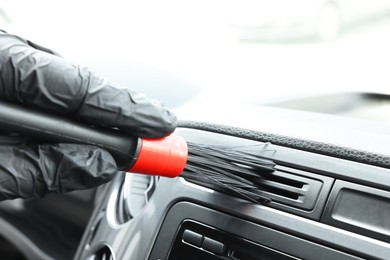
<point>322,206</point>
<point>329,198</point>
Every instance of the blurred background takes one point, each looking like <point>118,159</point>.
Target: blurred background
<point>268,52</point>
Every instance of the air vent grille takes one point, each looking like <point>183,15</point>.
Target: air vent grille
<point>134,195</point>
<point>252,176</point>
<point>290,187</point>
<point>104,252</point>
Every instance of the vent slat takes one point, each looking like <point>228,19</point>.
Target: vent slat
<point>267,184</point>
<point>250,177</point>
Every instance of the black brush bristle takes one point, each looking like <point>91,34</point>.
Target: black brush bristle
<point>234,170</point>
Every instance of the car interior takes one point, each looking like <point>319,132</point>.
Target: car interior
<point>326,194</point>
<point>328,200</point>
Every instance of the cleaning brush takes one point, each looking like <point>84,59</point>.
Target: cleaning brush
<point>233,170</point>
<point>162,156</point>
<point>236,170</point>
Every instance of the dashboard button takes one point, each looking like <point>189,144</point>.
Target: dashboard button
<point>213,246</point>
<point>192,238</point>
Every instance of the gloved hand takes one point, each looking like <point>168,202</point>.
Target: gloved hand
<point>35,77</point>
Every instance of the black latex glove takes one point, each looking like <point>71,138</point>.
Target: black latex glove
<point>34,77</point>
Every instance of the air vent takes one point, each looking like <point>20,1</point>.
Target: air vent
<point>251,176</point>
<point>290,187</point>
<point>104,252</point>
<point>134,194</point>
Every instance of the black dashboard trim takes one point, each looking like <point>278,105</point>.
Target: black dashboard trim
<point>328,149</point>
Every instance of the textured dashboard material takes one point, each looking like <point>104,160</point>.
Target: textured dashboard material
<point>136,239</point>
<point>333,150</point>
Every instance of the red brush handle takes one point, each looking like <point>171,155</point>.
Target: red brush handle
<point>164,157</point>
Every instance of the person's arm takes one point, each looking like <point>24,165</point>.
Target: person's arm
<point>36,78</point>
<point>40,79</point>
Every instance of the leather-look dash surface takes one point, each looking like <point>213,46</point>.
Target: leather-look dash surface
<point>333,150</point>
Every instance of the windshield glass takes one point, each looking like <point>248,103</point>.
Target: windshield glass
<point>267,52</point>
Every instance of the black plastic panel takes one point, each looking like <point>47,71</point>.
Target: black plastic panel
<point>359,209</point>
<point>152,233</point>
<point>291,190</point>
<point>198,241</point>
<point>232,232</point>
